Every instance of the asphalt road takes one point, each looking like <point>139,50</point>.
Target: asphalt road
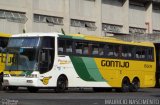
<point>147,96</point>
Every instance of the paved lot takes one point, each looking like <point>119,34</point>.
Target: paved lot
<point>80,97</point>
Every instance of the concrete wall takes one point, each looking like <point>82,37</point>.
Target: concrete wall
<point>10,27</point>
<point>114,12</point>
<point>156,19</point>
<point>82,9</point>
<point>137,16</point>
<point>50,7</point>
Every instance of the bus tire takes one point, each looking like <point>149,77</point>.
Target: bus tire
<point>125,85</point>
<point>13,88</point>
<point>135,85</point>
<point>61,84</point>
<point>32,89</point>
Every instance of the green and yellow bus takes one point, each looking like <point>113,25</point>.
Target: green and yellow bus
<point>3,43</point>
<point>54,60</point>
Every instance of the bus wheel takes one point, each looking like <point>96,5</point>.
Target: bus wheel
<point>61,84</point>
<point>32,89</point>
<point>13,88</point>
<point>125,85</point>
<point>135,85</point>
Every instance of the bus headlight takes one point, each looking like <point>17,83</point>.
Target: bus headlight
<point>5,75</point>
<point>32,76</point>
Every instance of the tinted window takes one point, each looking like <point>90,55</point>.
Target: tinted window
<point>61,45</point>
<point>140,53</point>
<point>69,48</point>
<point>99,49</point>
<point>23,42</point>
<point>78,47</point>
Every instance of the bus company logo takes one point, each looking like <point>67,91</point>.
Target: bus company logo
<point>45,80</point>
<point>63,61</point>
<point>109,63</point>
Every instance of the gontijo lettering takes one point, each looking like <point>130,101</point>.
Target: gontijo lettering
<point>109,63</point>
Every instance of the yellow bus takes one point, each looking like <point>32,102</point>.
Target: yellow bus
<point>54,60</point>
<point>3,43</point>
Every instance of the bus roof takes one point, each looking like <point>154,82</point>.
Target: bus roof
<point>4,35</point>
<point>107,39</point>
<point>84,37</point>
<point>36,34</point>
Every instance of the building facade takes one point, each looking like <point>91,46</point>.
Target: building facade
<point>94,17</point>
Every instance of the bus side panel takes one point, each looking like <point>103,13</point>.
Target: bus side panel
<point>114,71</point>
<point>80,71</point>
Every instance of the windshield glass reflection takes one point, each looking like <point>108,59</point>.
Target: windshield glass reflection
<point>22,59</point>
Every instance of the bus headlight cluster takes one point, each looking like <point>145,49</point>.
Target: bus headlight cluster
<point>5,75</point>
<point>32,76</point>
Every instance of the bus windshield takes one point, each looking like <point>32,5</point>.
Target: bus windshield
<point>30,53</point>
<point>22,59</point>
<point>22,53</point>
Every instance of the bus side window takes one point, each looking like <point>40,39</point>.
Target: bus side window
<point>140,53</point>
<point>61,46</point>
<point>143,54</point>
<point>150,53</point>
<point>101,49</point>
<point>137,54</point>
<point>118,51</point>
<point>94,49</point>
<point>85,48</point>
<point>130,51</point>
<point>110,50</point>
<point>78,47</point>
<point>127,51</point>
<point>69,48</point>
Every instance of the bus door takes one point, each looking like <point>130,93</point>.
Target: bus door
<point>46,60</point>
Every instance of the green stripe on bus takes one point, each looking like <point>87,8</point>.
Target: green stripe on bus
<point>28,72</point>
<point>81,68</point>
<point>92,68</point>
<point>71,37</point>
<point>77,37</point>
<point>65,36</point>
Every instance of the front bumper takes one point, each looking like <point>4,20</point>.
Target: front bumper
<point>17,81</point>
